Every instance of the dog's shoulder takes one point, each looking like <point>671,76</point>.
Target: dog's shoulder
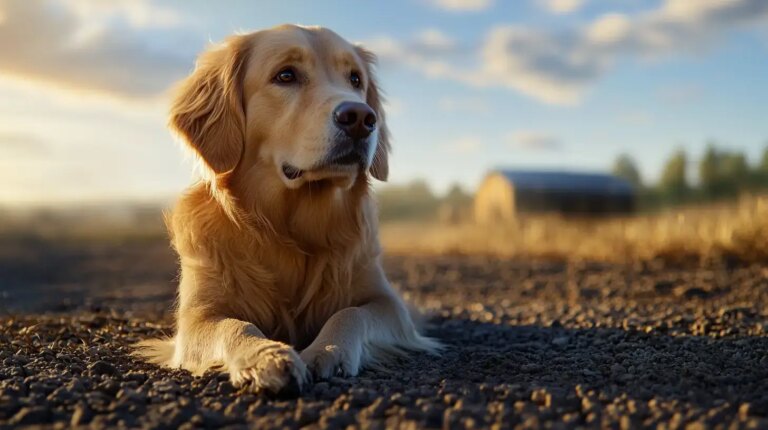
<point>198,221</point>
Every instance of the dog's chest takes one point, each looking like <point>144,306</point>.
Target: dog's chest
<point>310,289</point>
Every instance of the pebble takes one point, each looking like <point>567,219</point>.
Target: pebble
<point>31,415</point>
<point>102,368</point>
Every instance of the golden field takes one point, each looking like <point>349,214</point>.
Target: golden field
<point>734,230</point>
<point>737,230</point>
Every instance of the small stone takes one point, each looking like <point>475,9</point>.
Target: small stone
<point>102,368</point>
<point>213,419</point>
<point>306,415</point>
<point>31,415</point>
<point>61,395</point>
<point>541,397</point>
<point>139,377</point>
<point>166,386</point>
<point>376,409</point>
<point>81,415</point>
<point>530,368</point>
<point>225,388</point>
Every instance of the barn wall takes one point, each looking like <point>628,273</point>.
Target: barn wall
<point>573,203</point>
<point>498,200</point>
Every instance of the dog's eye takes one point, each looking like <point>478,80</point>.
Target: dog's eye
<point>354,79</point>
<point>285,76</point>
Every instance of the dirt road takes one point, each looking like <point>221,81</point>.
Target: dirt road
<point>531,344</point>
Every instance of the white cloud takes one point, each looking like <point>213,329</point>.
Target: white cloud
<point>435,39</point>
<point>421,50</point>
<point>609,28</point>
<point>139,13</point>
<point>636,118</point>
<point>462,5</point>
<point>680,93</point>
<point>471,105</point>
<point>89,46</point>
<point>559,67</point>
<point>533,141</point>
<point>19,145</point>
<point>431,59</point>
<point>464,145</point>
<point>394,106</point>
<point>562,6</point>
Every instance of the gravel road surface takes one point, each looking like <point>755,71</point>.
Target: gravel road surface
<point>531,345</point>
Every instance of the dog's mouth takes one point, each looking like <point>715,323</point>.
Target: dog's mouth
<point>352,157</point>
<point>340,165</point>
<point>292,173</point>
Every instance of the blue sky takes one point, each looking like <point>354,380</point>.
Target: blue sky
<point>472,84</point>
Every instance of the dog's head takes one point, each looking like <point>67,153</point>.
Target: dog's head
<point>300,103</point>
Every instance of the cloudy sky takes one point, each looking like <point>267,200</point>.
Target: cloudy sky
<point>472,84</point>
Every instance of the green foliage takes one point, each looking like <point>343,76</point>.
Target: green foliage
<point>763,166</point>
<point>456,196</point>
<point>413,201</point>
<point>709,172</point>
<point>723,174</point>
<point>416,202</point>
<point>624,167</point>
<point>674,178</point>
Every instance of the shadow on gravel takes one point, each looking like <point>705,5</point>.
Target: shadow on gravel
<point>569,368</point>
<point>38,275</point>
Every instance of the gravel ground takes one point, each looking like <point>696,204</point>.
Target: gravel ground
<point>532,345</point>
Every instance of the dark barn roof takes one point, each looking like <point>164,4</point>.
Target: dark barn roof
<point>568,182</point>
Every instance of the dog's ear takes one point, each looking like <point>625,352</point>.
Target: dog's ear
<point>374,99</point>
<point>208,109</point>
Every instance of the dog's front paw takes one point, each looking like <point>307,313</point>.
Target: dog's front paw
<point>325,361</point>
<point>268,366</point>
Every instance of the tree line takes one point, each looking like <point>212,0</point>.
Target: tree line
<point>722,174</point>
<point>415,201</point>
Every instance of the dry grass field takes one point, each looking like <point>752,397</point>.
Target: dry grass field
<point>728,230</point>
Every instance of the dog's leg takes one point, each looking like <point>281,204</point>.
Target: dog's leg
<point>357,336</point>
<point>241,349</point>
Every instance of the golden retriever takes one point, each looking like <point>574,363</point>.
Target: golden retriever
<point>278,243</point>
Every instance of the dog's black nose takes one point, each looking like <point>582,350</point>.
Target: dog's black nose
<point>357,120</point>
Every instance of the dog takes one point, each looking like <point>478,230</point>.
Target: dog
<point>281,280</point>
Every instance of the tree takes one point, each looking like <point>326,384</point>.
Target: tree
<point>457,195</point>
<point>674,181</point>
<point>724,173</point>
<point>709,172</point>
<point>413,201</point>
<point>456,205</point>
<point>764,162</point>
<point>761,172</point>
<point>735,171</point>
<point>624,167</point>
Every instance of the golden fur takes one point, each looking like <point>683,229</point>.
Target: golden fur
<point>269,265</point>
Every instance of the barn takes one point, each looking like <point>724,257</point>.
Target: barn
<point>505,193</point>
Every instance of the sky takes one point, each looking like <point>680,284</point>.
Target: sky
<point>471,85</point>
